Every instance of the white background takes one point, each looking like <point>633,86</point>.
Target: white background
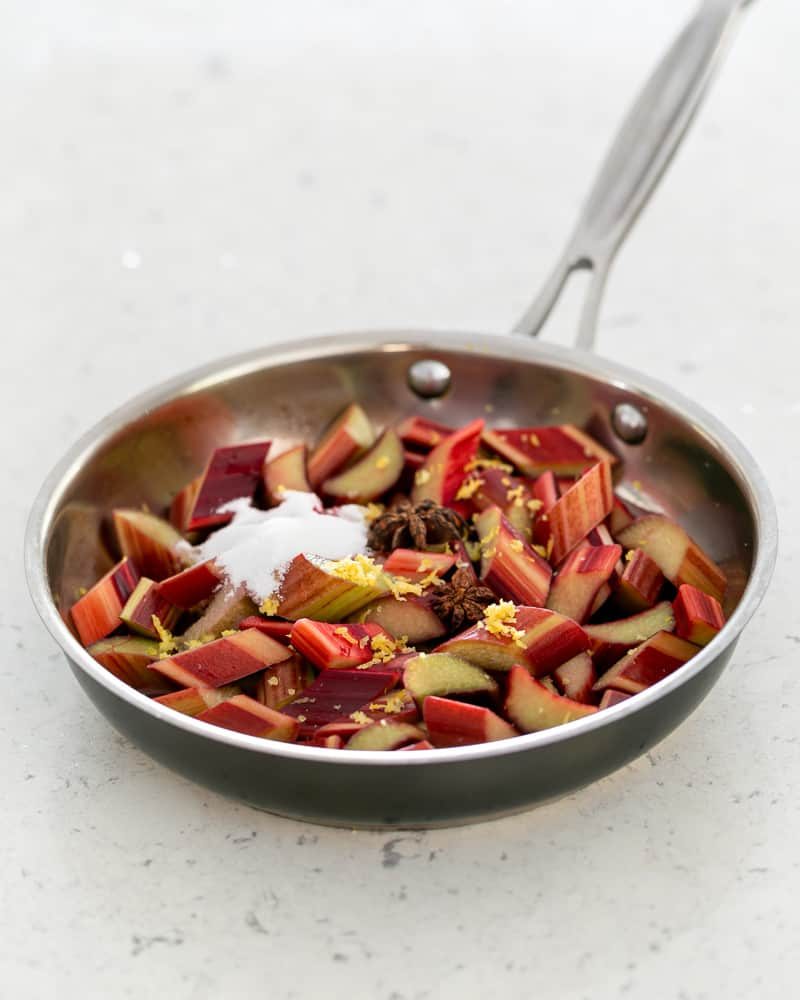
<point>183,180</point>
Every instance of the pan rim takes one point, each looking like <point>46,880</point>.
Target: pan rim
<point>752,480</point>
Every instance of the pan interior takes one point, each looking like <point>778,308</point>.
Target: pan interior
<point>680,468</point>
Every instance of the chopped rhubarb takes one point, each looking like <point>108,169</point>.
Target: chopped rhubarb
<point>308,591</point>
<point>574,514</point>
<point>145,607</point>
<point>233,473</point>
<point>612,697</point>
<point>194,700</point>
<point>227,608</point>
<point>416,566</point>
<point>223,661</point>
<point>191,586</point>
<point>370,476</point>
<point>286,472</point>
<point>679,558</point>
<point>508,563</point>
<point>398,704</point>
<point>129,658</point>
<point>493,487</point>
<point>580,578</point>
<point>385,734</point>
<point>457,724</point>
<point>96,614</point>
<point>335,647</point>
<point>440,477</point>
<point>698,616</point>
<point>539,638</point>
<point>409,618</point>
<point>421,745</point>
<point>330,742</point>
<point>575,678</point>
<point>269,626</point>
<point>563,449</point>
<point>347,437</point>
<point>243,714</point>
<point>610,641</point>
<point>180,510</point>
<point>336,694</point>
<point>531,707</point>
<point>640,583</point>
<point>283,682</point>
<point>149,541</point>
<point>654,659</point>
<point>545,490</point>
<point>421,434</point>
<point>444,674</point>
<point>619,518</point>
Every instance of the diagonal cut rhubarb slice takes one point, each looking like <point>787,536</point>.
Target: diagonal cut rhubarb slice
<point>129,658</point>
<point>443,674</point>
<point>679,558</point>
<point>283,682</point>
<point>442,473</point>
<point>227,608</point>
<point>233,473</point>
<point>146,604</point>
<point>457,724</point>
<point>336,694</point>
<point>308,591</point>
<point>698,616</point>
<point>572,517</point>
<point>561,449</point>
<point>652,661</point>
<point>243,714</point>
<point>610,641</point>
<point>334,647</point>
<point>194,700</point>
<point>532,708</point>
<point>575,678</point>
<point>347,437</point>
<point>191,586</point>
<point>370,476</point>
<point>223,661</point>
<point>493,487</point>
<point>538,638</point>
<point>272,627</point>
<point>580,578</point>
<point>180,510</point>
<point>639,584</point>
<point>96,614</point>
<point>385,734</point>
<point>421,434</point>
<point>509,565</point>
<point>150,541</point>
<point>286,472</point>
<point>411,619</point>
<point>415,565</point>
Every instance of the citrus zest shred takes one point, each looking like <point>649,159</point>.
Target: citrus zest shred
<point>269,606</point>
<point>469,488</point>
<point>422,476</point>
<point>500,619</point>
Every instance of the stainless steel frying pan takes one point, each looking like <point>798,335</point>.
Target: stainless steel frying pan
<point>675,457</point>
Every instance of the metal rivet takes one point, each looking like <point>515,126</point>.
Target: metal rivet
<point>429,378</point>
<point>629,423</point>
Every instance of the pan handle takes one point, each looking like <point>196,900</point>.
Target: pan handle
<point>640,153</point>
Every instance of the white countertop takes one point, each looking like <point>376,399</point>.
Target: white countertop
<point>182,183</point>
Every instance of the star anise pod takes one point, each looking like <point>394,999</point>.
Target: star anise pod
<point>463,599</point>
<point>415,525</point>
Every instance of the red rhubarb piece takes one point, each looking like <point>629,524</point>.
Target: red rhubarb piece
<point>421,434</point>
<point>575,678</point>
<point>441,475</point>
<point>223,661</point>
<point>654,659</point>
<point>574,514</point>
<point>457,724</point>
<point>492,487</point>
<point>96,614</point>
<point>509,566</point>
<point>547,640</point>
<point>421,745</point>
<point>564,450</point>
<point>370,476</point>
<point>128,658</point>
<point>144,606</point>
<point>347,437</point>
<point>385,734</point>
<point>416,566</point>
<point>336,694</point>
<point>227,608</point>
<point>233,473</point>
<point>269,626</point>
<point>286,472</point>
<point>679,558</point>
<point>698,616</point>
<point>610,641</point>
<point>283,682</point>
<point>180,510</point>
<point>640,583</point>
<point>191,586</point>
<point>612,697</point>
<point>619,518</point>
<point>411,619</point>
<point>194,700</point>
<point>580,578</point>
<point>308,591</point>
<point>149,541</point>
<point>245,715</point>
<point>531,707</point>
<point>333,647</point>
<point>398,705</point>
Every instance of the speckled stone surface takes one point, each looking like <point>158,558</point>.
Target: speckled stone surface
<point>183,180</point>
